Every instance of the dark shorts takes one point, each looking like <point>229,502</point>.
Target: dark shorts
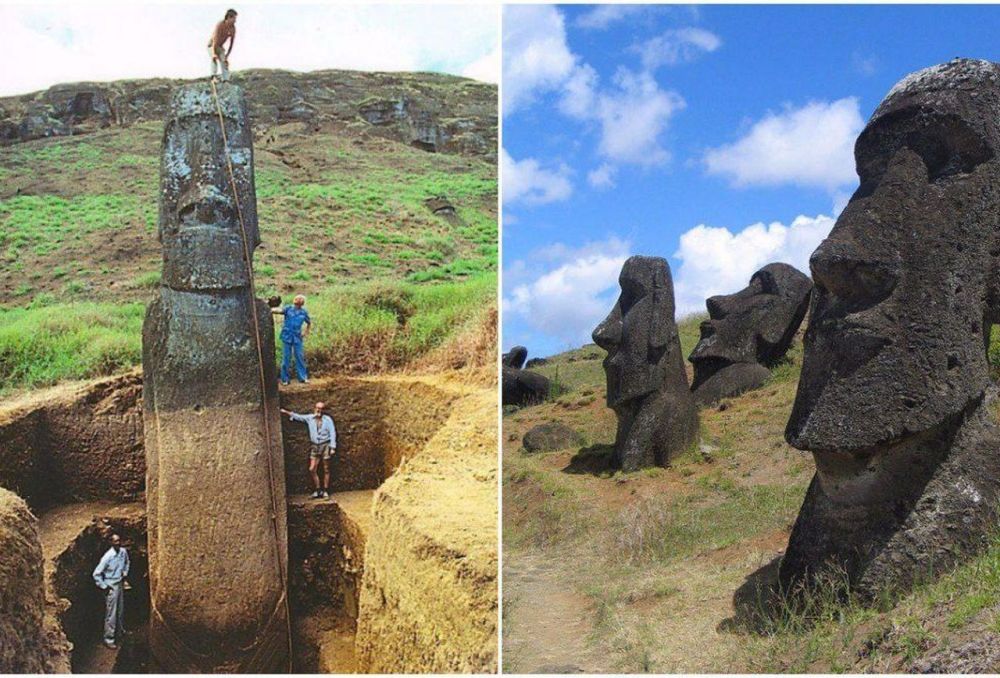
<point>319,451</point>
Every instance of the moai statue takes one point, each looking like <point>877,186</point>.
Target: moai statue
<point>895,400</point>
<point>647,386</point>
<point>748,332</point>
<point>215,491</point>
<point>515,357</point>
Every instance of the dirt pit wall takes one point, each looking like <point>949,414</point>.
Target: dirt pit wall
<point>79,442</point>
<point>378,423</point>
<point>22,596</point>
<point>83,442</point>
<point>429,592</point>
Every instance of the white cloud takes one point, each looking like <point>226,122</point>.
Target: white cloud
<point>602,16</point>
<point>572,293</point>
<point>486,69</point>
<point>676,46</point>
<point>812,146</point>
<point>536,57</point>
<point>714,260</point>
<point>47,44</point>
<point>632,114</point>
<point>602,177</point>
<point>866,65</point>
<point>526,181</point>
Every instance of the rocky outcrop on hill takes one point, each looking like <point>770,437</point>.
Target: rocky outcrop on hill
<point>430,111</point>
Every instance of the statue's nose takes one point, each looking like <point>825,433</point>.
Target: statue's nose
<point>852,275</point>
<point>608,334</point>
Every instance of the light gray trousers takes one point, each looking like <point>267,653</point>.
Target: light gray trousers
<point>219,61</point>
<point>114,611</point>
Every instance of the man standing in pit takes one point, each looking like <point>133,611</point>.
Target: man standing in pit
<point>110,577</point>
<point>224,30</point>
<point>323,439</point>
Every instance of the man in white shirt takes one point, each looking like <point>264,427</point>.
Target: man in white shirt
<point>109,575</point>
<point>323,437</point>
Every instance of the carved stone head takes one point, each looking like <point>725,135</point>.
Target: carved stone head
<point>199,223</point>
<point>640,334</point>
<point>754,325</point>
<point>906,284</point>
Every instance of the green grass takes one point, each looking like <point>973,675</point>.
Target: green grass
<point>353,328</point>
<point>43,345</point>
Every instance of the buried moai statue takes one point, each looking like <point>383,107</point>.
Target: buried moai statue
<point>646,382</point>
<point>521,387</point>
<point>895,400</point>
<point>215,481</point>
<point>748,332</point>
<point>515,357</point>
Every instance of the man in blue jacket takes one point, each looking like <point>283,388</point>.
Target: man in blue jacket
<point>110,577</point>
<point>294,329</point>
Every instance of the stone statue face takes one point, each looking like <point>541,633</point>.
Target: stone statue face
<point>199,216</point>
<point>638,331</point>
<point>905,284</point>
<point>751,324</point>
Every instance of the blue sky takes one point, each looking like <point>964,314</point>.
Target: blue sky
<point>720,137</point>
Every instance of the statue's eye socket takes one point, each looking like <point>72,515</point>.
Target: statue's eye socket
<point>946,144</point>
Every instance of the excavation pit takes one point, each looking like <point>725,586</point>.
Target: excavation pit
<point>94,485</point>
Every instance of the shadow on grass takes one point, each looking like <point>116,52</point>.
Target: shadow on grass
<point>595,460</point>
<point>757,602</point>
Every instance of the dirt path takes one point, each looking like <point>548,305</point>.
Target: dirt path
<point>549,634</point>
<point>551,625</point>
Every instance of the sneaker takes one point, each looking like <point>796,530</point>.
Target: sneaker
<point>285,383</point>
<point>305,381</point>
<point>317,495</point>
<point>325,495</point>
<point>110,644</point>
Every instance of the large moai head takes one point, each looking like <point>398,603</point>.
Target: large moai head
<point>199,221</point>
<point>895,380</point>
<point>640,334</point>
<point>907,283</point>
<point>753,326</point>
<point>646,383</point>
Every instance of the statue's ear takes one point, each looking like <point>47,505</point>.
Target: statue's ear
<point>662,328</point>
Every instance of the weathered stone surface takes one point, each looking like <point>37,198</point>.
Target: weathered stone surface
<point>646,382</point>
<point>895,400</point>
<point>748,332</point>
<point>550,436</point>
<point>523,387</point>
<point>22,593</point>
<point>515,357</point>
<point>217,535</point>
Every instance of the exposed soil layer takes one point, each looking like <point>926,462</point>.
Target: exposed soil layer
<point>431,602</point>
<point>429,591</point>
<point>86,439</point>
<point>327,544</point>
<point>378,423</point>
<point>78,442</point>
<point>74,537</point>
<point>22,599</point>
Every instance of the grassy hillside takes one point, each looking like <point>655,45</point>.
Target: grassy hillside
<point>665,569</point>
<point>342,217</point>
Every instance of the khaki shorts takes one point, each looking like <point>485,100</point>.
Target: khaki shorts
<point>320,451</point>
